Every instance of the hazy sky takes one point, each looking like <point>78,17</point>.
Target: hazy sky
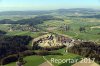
<point>9,5</point>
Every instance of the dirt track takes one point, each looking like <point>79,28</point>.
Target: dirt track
<point>45,64</point>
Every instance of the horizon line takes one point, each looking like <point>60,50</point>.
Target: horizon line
<point>46,9</point>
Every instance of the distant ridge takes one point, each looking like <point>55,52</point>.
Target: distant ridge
<point>24,12</point>
<point>42,12</point>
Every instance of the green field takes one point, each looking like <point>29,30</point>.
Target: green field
<point>37,60</point>
<point>55,27</point>
<point>75,24</point>
<point>22,33</point>
<point>65,56</point>
<point>31,60</point>
<point>16,17</point>
<point>4,27</point>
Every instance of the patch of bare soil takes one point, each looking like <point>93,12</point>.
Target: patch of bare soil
<point>87,62</point>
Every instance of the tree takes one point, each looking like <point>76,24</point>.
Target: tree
<point>82,29</point>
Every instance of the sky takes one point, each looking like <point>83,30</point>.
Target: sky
<point>17,5</point>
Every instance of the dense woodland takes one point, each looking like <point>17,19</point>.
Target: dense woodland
<point>87,49</point>
<point>32,21</point>
<point>13,44</point>
<point>2,32</point>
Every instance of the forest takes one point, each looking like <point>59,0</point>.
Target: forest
<point>10,45</point>
<point>31,21</point>
<point>87,49</point>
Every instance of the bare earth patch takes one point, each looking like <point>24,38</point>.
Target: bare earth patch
<point>86,63</point>
<point>95,27</point>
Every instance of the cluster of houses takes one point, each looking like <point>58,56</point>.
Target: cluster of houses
<point>18,27</point>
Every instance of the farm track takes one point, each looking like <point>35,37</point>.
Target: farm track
<point>76,34</point>
<point>47,63</point>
